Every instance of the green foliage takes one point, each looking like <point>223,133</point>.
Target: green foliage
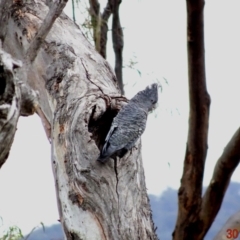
<point>12,233</point>
<point>53,232</point>
<point>81,15</point>
<point>132,64</point>
<point>15,233</point>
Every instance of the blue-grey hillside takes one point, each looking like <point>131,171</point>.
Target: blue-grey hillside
<point>164,209</point>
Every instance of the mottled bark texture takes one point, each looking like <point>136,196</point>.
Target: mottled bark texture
<point>196,213</point>
<point>10,100</point>
<point>16,99</point>
<point>79,96</point>
<point>100,31</point>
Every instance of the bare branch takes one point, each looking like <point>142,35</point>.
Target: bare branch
<point>104,29</point>
<point>94,12</point>
<point>232,223</point>
<point>53,13</point>
<point>223,171</point>
<point>100,30</point>
<point>117,37</point>
<point>189,195</point>
<point>100,25</point>
<point>73,10</point>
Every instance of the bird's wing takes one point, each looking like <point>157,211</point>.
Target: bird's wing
<point>126,128</point>
<point>131,123</point>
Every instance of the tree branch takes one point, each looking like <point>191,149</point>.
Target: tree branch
<point>189,195</point>
<point>223,171</point>
<point>73,10</point>
<point>53,13</point>
<point>117,37</point>
<point>104,29</point>
<point>95,20</point>
<point>100,25</point>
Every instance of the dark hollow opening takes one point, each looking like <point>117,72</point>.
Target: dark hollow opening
<point>3,82</point>
<point>100,127</point>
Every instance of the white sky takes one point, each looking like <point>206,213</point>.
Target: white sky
<point>155,36</point>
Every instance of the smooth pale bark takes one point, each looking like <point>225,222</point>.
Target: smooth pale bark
<point>230,228</point>
<point>78,95</point>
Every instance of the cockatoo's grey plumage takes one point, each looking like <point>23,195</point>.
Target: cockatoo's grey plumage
<point>130,122</point>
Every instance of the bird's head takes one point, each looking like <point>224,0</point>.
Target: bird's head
<point>148,97</point>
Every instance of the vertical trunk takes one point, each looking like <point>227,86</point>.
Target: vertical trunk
<point>189,225</point>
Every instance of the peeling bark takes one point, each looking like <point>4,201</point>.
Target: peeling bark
<point>16,99</point>
<point>79,97</point>
<point>10,104</point>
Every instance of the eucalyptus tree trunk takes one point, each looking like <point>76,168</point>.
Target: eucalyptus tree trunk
<point>196,212</point>
<point>78,97</point>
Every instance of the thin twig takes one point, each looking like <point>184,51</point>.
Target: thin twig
<point>73,10</point>
<point>53,13</point>
<point>95,20</point>
<point>117,38</point>
<point>104,29</point>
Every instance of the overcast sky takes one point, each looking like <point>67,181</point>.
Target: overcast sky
<point>155,36</point>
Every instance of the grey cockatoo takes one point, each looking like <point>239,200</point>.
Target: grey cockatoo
<point>130,123</point>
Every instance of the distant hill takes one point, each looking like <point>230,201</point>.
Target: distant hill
<point>165,206</point>
<point>53,232</point>
<point>164,209</point>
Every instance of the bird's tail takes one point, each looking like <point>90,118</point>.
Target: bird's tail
<point>102,158</point>
<point>105,154</point>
